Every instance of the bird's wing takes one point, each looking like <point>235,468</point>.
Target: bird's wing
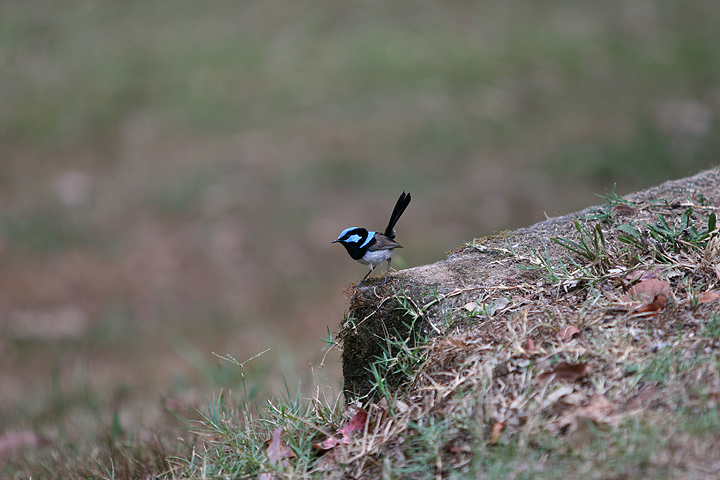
<point>383,243</point>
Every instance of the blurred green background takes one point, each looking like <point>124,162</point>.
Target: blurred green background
<point>172,173</point>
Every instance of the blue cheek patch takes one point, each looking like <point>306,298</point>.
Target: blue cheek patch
<point>345,232</point>
<point>354,238</point>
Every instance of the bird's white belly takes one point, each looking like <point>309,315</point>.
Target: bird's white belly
<point>376,257</point>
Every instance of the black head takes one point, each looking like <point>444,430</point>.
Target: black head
<point>356,241</point>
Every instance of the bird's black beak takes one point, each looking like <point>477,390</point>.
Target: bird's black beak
<point>335,241</point>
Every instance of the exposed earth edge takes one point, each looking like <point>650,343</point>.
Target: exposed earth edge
<point>485,268</point>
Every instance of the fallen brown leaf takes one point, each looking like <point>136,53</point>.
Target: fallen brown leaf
<point>277,450</point>
<point>357,422</point>
<point>598,408</point>
<point>645,291</point>
<point>568,332</point>
<point>651,309</point>
<point>624,209</point>
<point>639,274</point>
<point>471,307</point>
<point>328,443</point>
<point>647,298</point>
<point>709,296</point>
<point>581,423</point>
<point>496,432</point>
<point>566,372</point>
<point>644,396</point>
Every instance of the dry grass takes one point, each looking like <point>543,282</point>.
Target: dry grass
<point>593,366</point>
<point>570,367</point>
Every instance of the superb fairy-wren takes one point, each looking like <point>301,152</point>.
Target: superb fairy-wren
<point>373,248</point>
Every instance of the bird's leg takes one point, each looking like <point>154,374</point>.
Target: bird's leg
<point>387,271</point>
<point>372,267</point>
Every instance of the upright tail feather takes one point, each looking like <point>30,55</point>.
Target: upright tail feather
<point>400,207</point>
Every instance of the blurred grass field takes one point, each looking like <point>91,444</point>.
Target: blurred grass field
<point>172,173</point>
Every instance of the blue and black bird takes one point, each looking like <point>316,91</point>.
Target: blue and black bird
<point>373,248</point>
